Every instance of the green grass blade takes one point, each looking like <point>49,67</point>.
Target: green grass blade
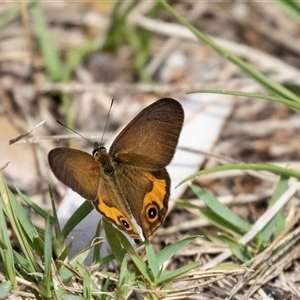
<point>47,280</point>
<point>6,248</point>
<point>239,250</point>
<point>6,251</point>
<point>141,54</point>
<point>49,53</point>
<point>211,217</point>
<point>152,260</point>
<point>270,85</point>
<point>87,288</point>
<point>38,245</point>
<point>291,7</point>
<point>98,245</point>
<point>170,250</point>
<point>113,241</point>
<point>55,222</point>
<point>23,228</point>
<point>287,102</point>
<point>139,263</point>
<point>124,279</point>
<point>115,35</point>
<point>256,167</point>
<point>220,209</point>
<point>24,219</point>
<point>23,262</point>
<point>34,206</point>
<point>58,238</point>
<point>168,276</point>
<point>277,224</point>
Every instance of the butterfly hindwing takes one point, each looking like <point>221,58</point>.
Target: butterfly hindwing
<point>147,193</point>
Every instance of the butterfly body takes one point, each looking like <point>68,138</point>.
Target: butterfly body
<point>129,184</point>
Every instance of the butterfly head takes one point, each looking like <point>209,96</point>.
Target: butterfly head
<point>98,149</point>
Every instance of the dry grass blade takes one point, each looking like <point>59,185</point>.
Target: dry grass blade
<point>271,262</point>
<point>13,141</point>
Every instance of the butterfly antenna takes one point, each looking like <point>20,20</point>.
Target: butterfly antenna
<point>74,131</point>
<point>106,123</point>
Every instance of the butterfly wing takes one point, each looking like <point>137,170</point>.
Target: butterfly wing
<point>112,204</point>
<point>150,139</point>
<point>77,169</point>
<point>147,193</point>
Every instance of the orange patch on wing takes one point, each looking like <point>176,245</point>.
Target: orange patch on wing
<point>158,191</point>
<point>112,213</point>
<point>115,216</point>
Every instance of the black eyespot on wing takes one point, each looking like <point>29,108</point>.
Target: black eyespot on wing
<point>152,213</point>
<point>125,224</point>
<point>152,210</point>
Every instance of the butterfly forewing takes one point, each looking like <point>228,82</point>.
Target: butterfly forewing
<point>150,139</point>
<point>76,169</point>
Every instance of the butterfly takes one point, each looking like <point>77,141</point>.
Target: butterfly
<point>129,185</point>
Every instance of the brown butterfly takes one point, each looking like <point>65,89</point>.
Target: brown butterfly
<point>129,184</point>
